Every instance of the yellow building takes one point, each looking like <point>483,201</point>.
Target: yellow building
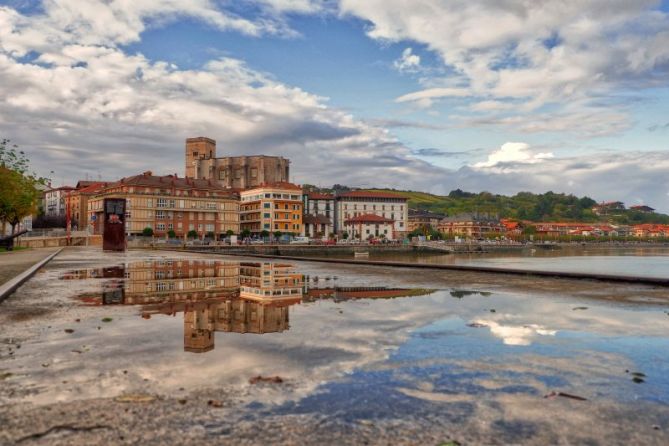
<point>271,208</point>
<point>169,203</point>
<point>77,202</point>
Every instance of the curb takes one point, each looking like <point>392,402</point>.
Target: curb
<point>9,287</point>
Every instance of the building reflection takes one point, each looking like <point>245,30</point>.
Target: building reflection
<point>216,296</point>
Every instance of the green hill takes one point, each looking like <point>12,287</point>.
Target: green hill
<point>549,206</point>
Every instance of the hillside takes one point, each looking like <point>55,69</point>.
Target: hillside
<point>549,206</point>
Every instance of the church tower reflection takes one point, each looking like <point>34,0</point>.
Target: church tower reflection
<point>230,297</point>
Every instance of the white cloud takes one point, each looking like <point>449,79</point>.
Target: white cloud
<point>516,334</point>
<point>408,62</point>
<point>536,53</point>
<point>424,98</point>
<point>511,153</point>
<point>84,105</point>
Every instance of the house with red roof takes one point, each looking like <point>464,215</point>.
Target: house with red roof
<point>366,226</point>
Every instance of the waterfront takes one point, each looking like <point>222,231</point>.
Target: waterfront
<point>362,353</point>
<point>646,261</point>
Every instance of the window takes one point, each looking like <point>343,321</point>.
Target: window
<point>266,226</point>
<point>160,227</point>
<point>161,203</point>
<point>221,174</point>
<point>160,215</point>
<point>210,228</point>
<point>266,215</point>
<point>267,205</point>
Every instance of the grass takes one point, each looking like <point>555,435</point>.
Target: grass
<point>16,248</point>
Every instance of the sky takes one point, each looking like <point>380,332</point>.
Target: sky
<point>498,95</point>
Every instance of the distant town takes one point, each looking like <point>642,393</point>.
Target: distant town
<point>252,198</point>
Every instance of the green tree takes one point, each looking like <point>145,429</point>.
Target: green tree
<point>192,233</point>
<point>264,233</point>
<point>229,233</point>
<point>147,232</point>
<point>245,233</point>
<point>171,233</point>
<point>211,235</point>
<point>277,235</point>
<point>20,189</point>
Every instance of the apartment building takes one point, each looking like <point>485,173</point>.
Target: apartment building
<point>420,219</point>
<point>471,225</point>
<point>77,202</point>
<point>319,210</point>
<point>271,208</point>
<point>386,205</point>
<point>232,172</point>
<point>169,203</point>
<point>54,201</point>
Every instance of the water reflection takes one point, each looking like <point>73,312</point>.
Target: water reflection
<point>216,296</point>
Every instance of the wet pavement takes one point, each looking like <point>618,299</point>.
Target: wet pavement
<point>171,348</point>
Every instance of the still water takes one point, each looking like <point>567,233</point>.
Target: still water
<point>355,345</point>
<point>641,262</point>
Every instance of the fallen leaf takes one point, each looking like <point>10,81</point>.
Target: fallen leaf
<point>553,394</point>
<point>266,379</point>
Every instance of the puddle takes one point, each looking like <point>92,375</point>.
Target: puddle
<point>347,345</point>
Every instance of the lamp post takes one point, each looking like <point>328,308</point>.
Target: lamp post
<point>68,224</point>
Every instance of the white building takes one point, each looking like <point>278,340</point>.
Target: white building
<point>319,210</point>
<point>368,226</point>
<point>386,205</point>
<point>54,201</point>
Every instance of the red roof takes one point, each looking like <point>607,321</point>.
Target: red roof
<point>92,188</point>
<point>319,196</point>
<point>371,194</point>
<point>277,185</point>
<point>369,218</point>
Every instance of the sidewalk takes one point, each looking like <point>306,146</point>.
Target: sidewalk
<point>14,263</point>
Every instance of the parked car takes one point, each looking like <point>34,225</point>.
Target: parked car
<point>300,240</point>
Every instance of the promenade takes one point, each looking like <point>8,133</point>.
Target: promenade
<point>14,263</point>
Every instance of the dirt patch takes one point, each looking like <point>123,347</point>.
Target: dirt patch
<point>28,313</point>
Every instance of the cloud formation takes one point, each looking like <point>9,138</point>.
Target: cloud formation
<point>515,58</point>
<point>513,153</point>
<point>79,103</point>
<point>408,62</point>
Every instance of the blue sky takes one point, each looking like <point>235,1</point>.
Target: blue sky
<point>425,94</point>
